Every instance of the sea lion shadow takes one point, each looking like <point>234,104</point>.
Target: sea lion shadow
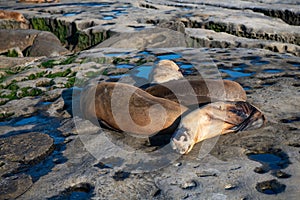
<point>71,98</point>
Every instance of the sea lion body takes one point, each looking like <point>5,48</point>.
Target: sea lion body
<point>127,108</point>
<point>192,92</point>
<point>215,119</point>
<point>11,15</point>
<point>171,84</point>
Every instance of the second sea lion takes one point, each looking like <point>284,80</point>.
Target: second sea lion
<point>192,92</point>
<point>12,15</point>
<point>215,119</point>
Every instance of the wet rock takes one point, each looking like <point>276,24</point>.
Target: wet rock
<point>22,107</point>
<point>94,155</point>
<point>46,44</point>
<point>212,39</point>
<point>149,38</point>
<point>173,25</point>
<point>32,43</point>
<point>26,148</point>
<point>78,191</point>
<point>270,187</point>
<point>10,62</point>
<point>14,186</point>
<point>11,24</point>
<point>17,38</point>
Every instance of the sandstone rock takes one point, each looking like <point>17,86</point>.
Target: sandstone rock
<point>39,43</point>
<point>14,186</point>
<point>10,24</point>
<point>21,107</point>
<point>17,38</point>
<point>149,38</point>
<point>46,44</point>
<point>212,39</point>
<point>26,148</point>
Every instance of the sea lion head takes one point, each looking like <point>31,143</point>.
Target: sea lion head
<point>181,141</point>
<point>168,64</point>
<point>164,71</point>
<point>18,17</point>
<point>21,18</point>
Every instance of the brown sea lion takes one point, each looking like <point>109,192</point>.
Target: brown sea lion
<point>192,92</point>
<point>11,15</point>
<point>128,108</point>
<point>215,119</point>
<point>164,71</point>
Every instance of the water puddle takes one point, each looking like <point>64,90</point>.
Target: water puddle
<point>118,76</point>
<point>108,17</point>
<point>169,56</point>
<point>270,187</point>
<point>259,62</point>
<point>146,53</point>
<point>126,66</point>
<point>89,4</point>
<point>270,161</point>
<point>71,14</point>
<point>295,64</point>
<point>116,54</point>
<point>108,24</point>
<point>235,74</point>
<point>29,120</point>
<point>186,69</point>
<point>273,160</point>
<point>291,120</point>
<point>137,28</point>
<point>143,71</point>
<point>80,191</point>
<point>267,84</point>
<point>121,176</point>
<point>188,15</point>
<point>247,88</point>
<point>254,58</point>
<point>273,71</point>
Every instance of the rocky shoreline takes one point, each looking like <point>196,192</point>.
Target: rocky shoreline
<point>47,151</point>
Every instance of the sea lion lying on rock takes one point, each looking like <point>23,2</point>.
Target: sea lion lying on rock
<point>128,108</point>
<point>11,15</point>
<point>170,84</point>
<point>215,119</point>
<point>192,92</point>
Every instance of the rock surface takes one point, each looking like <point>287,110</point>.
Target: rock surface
<point>149,38</point>
<point>65,157</point>
<point>33,43</point>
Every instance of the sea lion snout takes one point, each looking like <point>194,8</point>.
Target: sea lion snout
<point>181,141</point>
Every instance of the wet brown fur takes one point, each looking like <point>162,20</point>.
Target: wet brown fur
<point>215,119</point>
<point>139,104</point>
<point>11,15</point>
<point>192,92</point>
